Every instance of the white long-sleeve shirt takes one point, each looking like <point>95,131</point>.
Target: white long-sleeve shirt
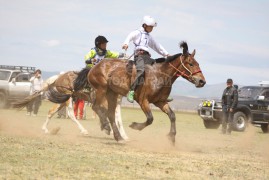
<point>37,84</point>
<point>143,40</point>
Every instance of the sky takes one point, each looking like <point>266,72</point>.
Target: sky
<point>231,37</point>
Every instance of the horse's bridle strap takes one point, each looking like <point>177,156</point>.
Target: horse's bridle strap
<point>180,73</point>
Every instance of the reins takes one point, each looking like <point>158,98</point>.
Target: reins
<point>181,73</point>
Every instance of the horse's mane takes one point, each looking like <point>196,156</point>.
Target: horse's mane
<point>168,59</point>
<point>182,45</point>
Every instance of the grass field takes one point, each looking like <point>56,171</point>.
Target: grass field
<point>27,153</point>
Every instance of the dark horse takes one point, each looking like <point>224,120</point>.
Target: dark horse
<point>111,77</point>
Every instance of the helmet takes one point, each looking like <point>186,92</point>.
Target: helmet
<point>99,40</point>
<point>149,21</point>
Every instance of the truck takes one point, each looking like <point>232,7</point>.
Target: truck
<point>252,108</point>
<point>14,83</point>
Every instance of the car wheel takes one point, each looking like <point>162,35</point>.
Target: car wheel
<point>211,124</point>
<point>3,100</point>
<point>264,128</point>
<point>239,121</point>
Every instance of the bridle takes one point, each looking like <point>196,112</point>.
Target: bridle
<point>182,73</point>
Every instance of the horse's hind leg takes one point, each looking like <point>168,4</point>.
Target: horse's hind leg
<point>73,118</point>
<point>167,110</point>
<point>51,112</point>
<point>118,121</point>
<point>146,109</point>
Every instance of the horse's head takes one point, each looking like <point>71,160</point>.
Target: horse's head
<point>189,67</point>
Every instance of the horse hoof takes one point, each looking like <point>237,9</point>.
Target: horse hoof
<point>137,126</point>
<point>84,132</point>
<point>172,139</point>
<point>122,141</point>
<point>107,131</point>
<point>133,125</point>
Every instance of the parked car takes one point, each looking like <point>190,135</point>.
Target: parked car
<point>253,107</point>
<point>14,83</point>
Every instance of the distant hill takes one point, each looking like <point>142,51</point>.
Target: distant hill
<point>182,88</point>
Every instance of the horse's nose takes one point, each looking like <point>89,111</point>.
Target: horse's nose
<point>202,83</point>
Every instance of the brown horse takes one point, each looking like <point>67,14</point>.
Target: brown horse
<point>112,77</point>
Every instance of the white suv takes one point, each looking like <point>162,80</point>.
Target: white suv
<point>14,83</point>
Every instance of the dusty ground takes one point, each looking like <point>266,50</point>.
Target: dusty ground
<point>27,153</point>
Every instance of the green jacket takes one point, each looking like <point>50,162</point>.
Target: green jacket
<point>92,54</point>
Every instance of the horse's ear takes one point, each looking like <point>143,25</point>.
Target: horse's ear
<point>193,53</point>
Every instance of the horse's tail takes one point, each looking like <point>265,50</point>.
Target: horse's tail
<point>82,80</point>
<point>56,97</point>
<point>29,99</point>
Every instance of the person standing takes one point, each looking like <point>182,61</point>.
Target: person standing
<point>79,106</point>
<point>36,85</point>
<point>229,102</point>
<point>142,41</point>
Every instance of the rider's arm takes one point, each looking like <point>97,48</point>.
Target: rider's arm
<point>111,54</point>
<point>157,47</point>
<point>131,37</point>
<point>91,54</point>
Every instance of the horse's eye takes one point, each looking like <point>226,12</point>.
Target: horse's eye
<point>191,64</point>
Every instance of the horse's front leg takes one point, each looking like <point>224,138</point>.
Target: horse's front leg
<point>71,114</point>
<point>146,109</point>
<point>166,109</point>
<point>100,108</point>
<point>112,103</point>
<point>50,114</point>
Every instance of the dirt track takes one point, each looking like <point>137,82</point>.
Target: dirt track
<point>199,153</point>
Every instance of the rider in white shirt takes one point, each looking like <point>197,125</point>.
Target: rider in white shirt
<point>142,41</point>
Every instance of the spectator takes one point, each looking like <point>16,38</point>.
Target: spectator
<point>36,85</point>
<point>79,107</point>
<point>229,102</point>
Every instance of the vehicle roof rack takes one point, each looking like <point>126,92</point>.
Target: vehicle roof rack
<point>264,83</point>
<point>21,68</point>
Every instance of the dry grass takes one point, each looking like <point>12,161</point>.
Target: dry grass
<point>27,153</point>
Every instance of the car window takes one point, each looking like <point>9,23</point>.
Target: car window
<point>22,78</point>
<point>266,95</point>
<point>4,75</point>
<point>249,92</point>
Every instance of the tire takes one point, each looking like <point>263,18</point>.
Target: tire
<point>3,100</point>
<point>239,121</point>
<point>264,128</point>
<point>211,124</point>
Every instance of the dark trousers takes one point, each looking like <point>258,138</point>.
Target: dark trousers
<point>227,120</point>
<point>34,105</point>
<point>140,62</point>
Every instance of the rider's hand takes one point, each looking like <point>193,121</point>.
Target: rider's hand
<point>94,60</point>
<point>125,46</point>
<point>88,62</point>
